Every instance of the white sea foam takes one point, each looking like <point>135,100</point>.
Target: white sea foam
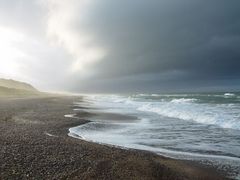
<point>183,100</point>
<point>224,116</point>
<point>51,135</point>
<point>172,125</point>
<point>155,95</point>
<point>229,94</point>
<point>69,115</point>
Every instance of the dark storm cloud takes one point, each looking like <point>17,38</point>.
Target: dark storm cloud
<point>198,39</point>
<point>122,46</point>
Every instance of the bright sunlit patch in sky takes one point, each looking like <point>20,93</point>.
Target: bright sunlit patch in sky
<point>10,55</point>
<point>99,46</point>
<point>78,43</point>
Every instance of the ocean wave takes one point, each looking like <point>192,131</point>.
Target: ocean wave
<point>155,95</point>
<point>184,100</point>
<point>119,100</point>
<point>175,125</point>
<point>229,94</point>
<point>224,116</point>
<point>198,108</point>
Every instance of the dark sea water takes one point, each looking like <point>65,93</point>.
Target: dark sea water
<point>198,127</point>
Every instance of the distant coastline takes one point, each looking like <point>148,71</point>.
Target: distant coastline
<point>12,88</point>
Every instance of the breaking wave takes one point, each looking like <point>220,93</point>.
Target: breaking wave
<point>225,114</point>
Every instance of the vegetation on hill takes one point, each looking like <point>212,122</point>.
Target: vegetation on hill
<point>16,88</point>
<point>9,83</point>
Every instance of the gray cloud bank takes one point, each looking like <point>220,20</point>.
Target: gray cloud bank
<point>162,43</point>
<point>139,45</point>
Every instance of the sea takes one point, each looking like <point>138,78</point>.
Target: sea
<point>202,127</point>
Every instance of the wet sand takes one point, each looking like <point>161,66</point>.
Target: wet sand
<point>35,145</point>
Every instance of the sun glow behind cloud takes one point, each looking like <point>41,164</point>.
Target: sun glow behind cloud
<point>10,55</point>
<point>84,45</point>
<point>62,18</point>
<point>65,49</point>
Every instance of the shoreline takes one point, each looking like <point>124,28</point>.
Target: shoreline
<point>74,135</point>
<point>190,158</point>
<point>35,144</point>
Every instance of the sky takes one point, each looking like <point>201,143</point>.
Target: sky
<point>121,46</point>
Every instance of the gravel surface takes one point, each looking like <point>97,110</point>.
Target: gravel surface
<point>34,145</point>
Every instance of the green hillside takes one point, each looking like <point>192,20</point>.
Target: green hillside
<point>9,83</point>
<point>16,88</point>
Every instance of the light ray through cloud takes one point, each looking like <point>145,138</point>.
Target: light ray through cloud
<point>79,43</point>
<point>91,45</point>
